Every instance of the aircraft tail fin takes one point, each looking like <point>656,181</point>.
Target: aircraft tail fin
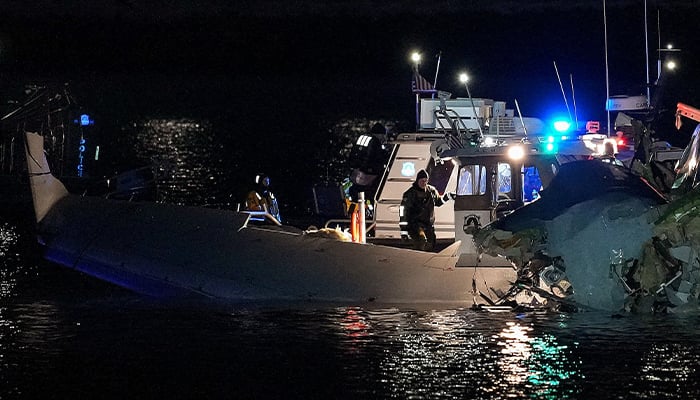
<point>46,189</point>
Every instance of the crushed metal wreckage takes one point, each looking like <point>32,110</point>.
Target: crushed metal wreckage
<point>603,238</point>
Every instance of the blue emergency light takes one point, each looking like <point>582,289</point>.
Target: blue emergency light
<point>84,120</point>
<point>562,126</point>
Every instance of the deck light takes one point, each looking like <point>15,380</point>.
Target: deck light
<point>516,152</point>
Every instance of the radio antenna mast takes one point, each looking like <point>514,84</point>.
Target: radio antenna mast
<point>562,89</point>
<point>573,99</point>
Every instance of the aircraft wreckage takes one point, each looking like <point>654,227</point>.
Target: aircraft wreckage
<point>602,238</point>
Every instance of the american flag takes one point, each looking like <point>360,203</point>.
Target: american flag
<point>421,85</point>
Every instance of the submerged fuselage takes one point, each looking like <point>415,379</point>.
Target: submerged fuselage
<point>169,250</point>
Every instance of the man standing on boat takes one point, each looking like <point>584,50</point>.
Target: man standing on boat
<point>417,212</point>
<point>262,199</point>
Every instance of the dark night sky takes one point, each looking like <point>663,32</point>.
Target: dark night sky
<point>265,70</point>
<point>355,51</point>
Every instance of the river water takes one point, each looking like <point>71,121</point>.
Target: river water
<point>65,335</point>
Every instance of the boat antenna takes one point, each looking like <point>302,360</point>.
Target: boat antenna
<point>646,47</point>
<point>573,99</point>
<point>464,78</point>
<point>437,70</point>
<point>658,33</point>
<point>520,115</point>
<point>562,89</point>
<point>607,75</point>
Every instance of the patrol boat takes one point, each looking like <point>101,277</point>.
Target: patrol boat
<point>492,157</point>
<point>493,160</point>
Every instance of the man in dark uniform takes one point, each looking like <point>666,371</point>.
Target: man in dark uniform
<point>417,212</point>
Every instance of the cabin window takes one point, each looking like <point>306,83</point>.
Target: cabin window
<point>439,175</point>
<point>472,180</point>
<point>504,178</point>
<point>532,184</point>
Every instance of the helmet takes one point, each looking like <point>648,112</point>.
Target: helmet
<point>260,179</point>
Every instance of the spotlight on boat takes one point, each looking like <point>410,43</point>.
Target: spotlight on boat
<point>671,65</point>
<point>516,152</point>
<point>464,78</point>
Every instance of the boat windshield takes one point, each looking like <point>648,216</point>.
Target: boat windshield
<point>504,178</point>
<point>472,180</point>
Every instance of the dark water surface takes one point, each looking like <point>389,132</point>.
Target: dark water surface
<point>63,335</point>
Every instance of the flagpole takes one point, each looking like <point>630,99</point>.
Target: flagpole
<point>417,112</point>
<point>416,60</point>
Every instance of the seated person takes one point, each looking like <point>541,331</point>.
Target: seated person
<point>262,199</point>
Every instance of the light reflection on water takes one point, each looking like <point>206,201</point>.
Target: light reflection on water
<point>8,256</point>
<point>199,163</point>
<point>306,351</point>
<point>9,327</point>
<point>448,354</point>
<point>189,159</point>
<point>681,366</point>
